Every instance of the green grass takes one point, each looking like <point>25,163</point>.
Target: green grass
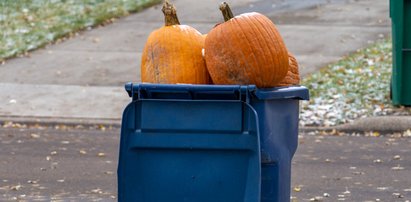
<point>355,87</point>
<point>29,24</point>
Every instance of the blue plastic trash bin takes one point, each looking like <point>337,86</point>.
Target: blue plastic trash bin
<point>208,143</point>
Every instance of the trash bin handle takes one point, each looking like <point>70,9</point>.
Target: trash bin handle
<point>241,93</point>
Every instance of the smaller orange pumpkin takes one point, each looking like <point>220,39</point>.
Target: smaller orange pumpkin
<point>293,75</point>
<point>172,53</point>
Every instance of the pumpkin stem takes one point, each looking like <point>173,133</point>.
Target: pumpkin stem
<point>225,9</point>
<point>170,14</point>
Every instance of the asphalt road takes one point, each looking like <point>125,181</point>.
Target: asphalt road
<point>79,164</point>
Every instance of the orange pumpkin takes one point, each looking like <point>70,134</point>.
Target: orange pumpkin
<point>173,53</point>
<point>246,49</point>
<point>293,75</point>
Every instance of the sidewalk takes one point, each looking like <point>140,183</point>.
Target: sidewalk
<point>83,78</point>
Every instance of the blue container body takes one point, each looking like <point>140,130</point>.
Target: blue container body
<point>208,143</point>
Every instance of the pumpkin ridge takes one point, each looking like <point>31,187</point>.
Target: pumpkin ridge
<point>292,77</point>
<point>209,81</point>
<point>208,52</point>
<point>247,70</point>
<point>280,40</point>
<point>193,63</point>
<point>169,36</point>
<point>254,29</point>
<point>216,72</point>
<point>203,63</point>
<point>277,40</point>
<point>193,55</point>
<point>272,49</point>
<point>253,72</point>
<point>234,74</point>
<point>180,47</point>
<point>156,71</point>
<point>221,45</point>
<point>197,47</point>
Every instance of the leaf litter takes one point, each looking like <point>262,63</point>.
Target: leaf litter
<point>357,86</point>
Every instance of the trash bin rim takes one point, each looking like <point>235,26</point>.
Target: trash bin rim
<point>289,92</point>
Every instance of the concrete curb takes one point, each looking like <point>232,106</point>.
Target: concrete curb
<point>380,124</point>
<point>53,121</point>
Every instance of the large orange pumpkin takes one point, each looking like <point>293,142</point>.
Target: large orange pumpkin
<point>173,53</point>
<point>293,74</point>
<point>246,49</point>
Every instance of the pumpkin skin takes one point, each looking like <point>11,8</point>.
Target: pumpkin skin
<point>293,74</point>
<point>173,53</point>
<point>246,49</point>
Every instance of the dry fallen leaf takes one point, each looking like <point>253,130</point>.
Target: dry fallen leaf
<point>33,135</point>
<point>99,191</point>
<point>102,127</point>
<point>32,182</point>
<point>96,40</point>
<point>398,167</point>
<point>398,195</point>
<point>297,189</point>
<point>108,173</point>
<point>407,133</point>
<point>317,198</point>
<point>15,188</point>
<point>397,157</point>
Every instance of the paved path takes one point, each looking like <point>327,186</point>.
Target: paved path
<point>80,165</point>
<point>83,77</point>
